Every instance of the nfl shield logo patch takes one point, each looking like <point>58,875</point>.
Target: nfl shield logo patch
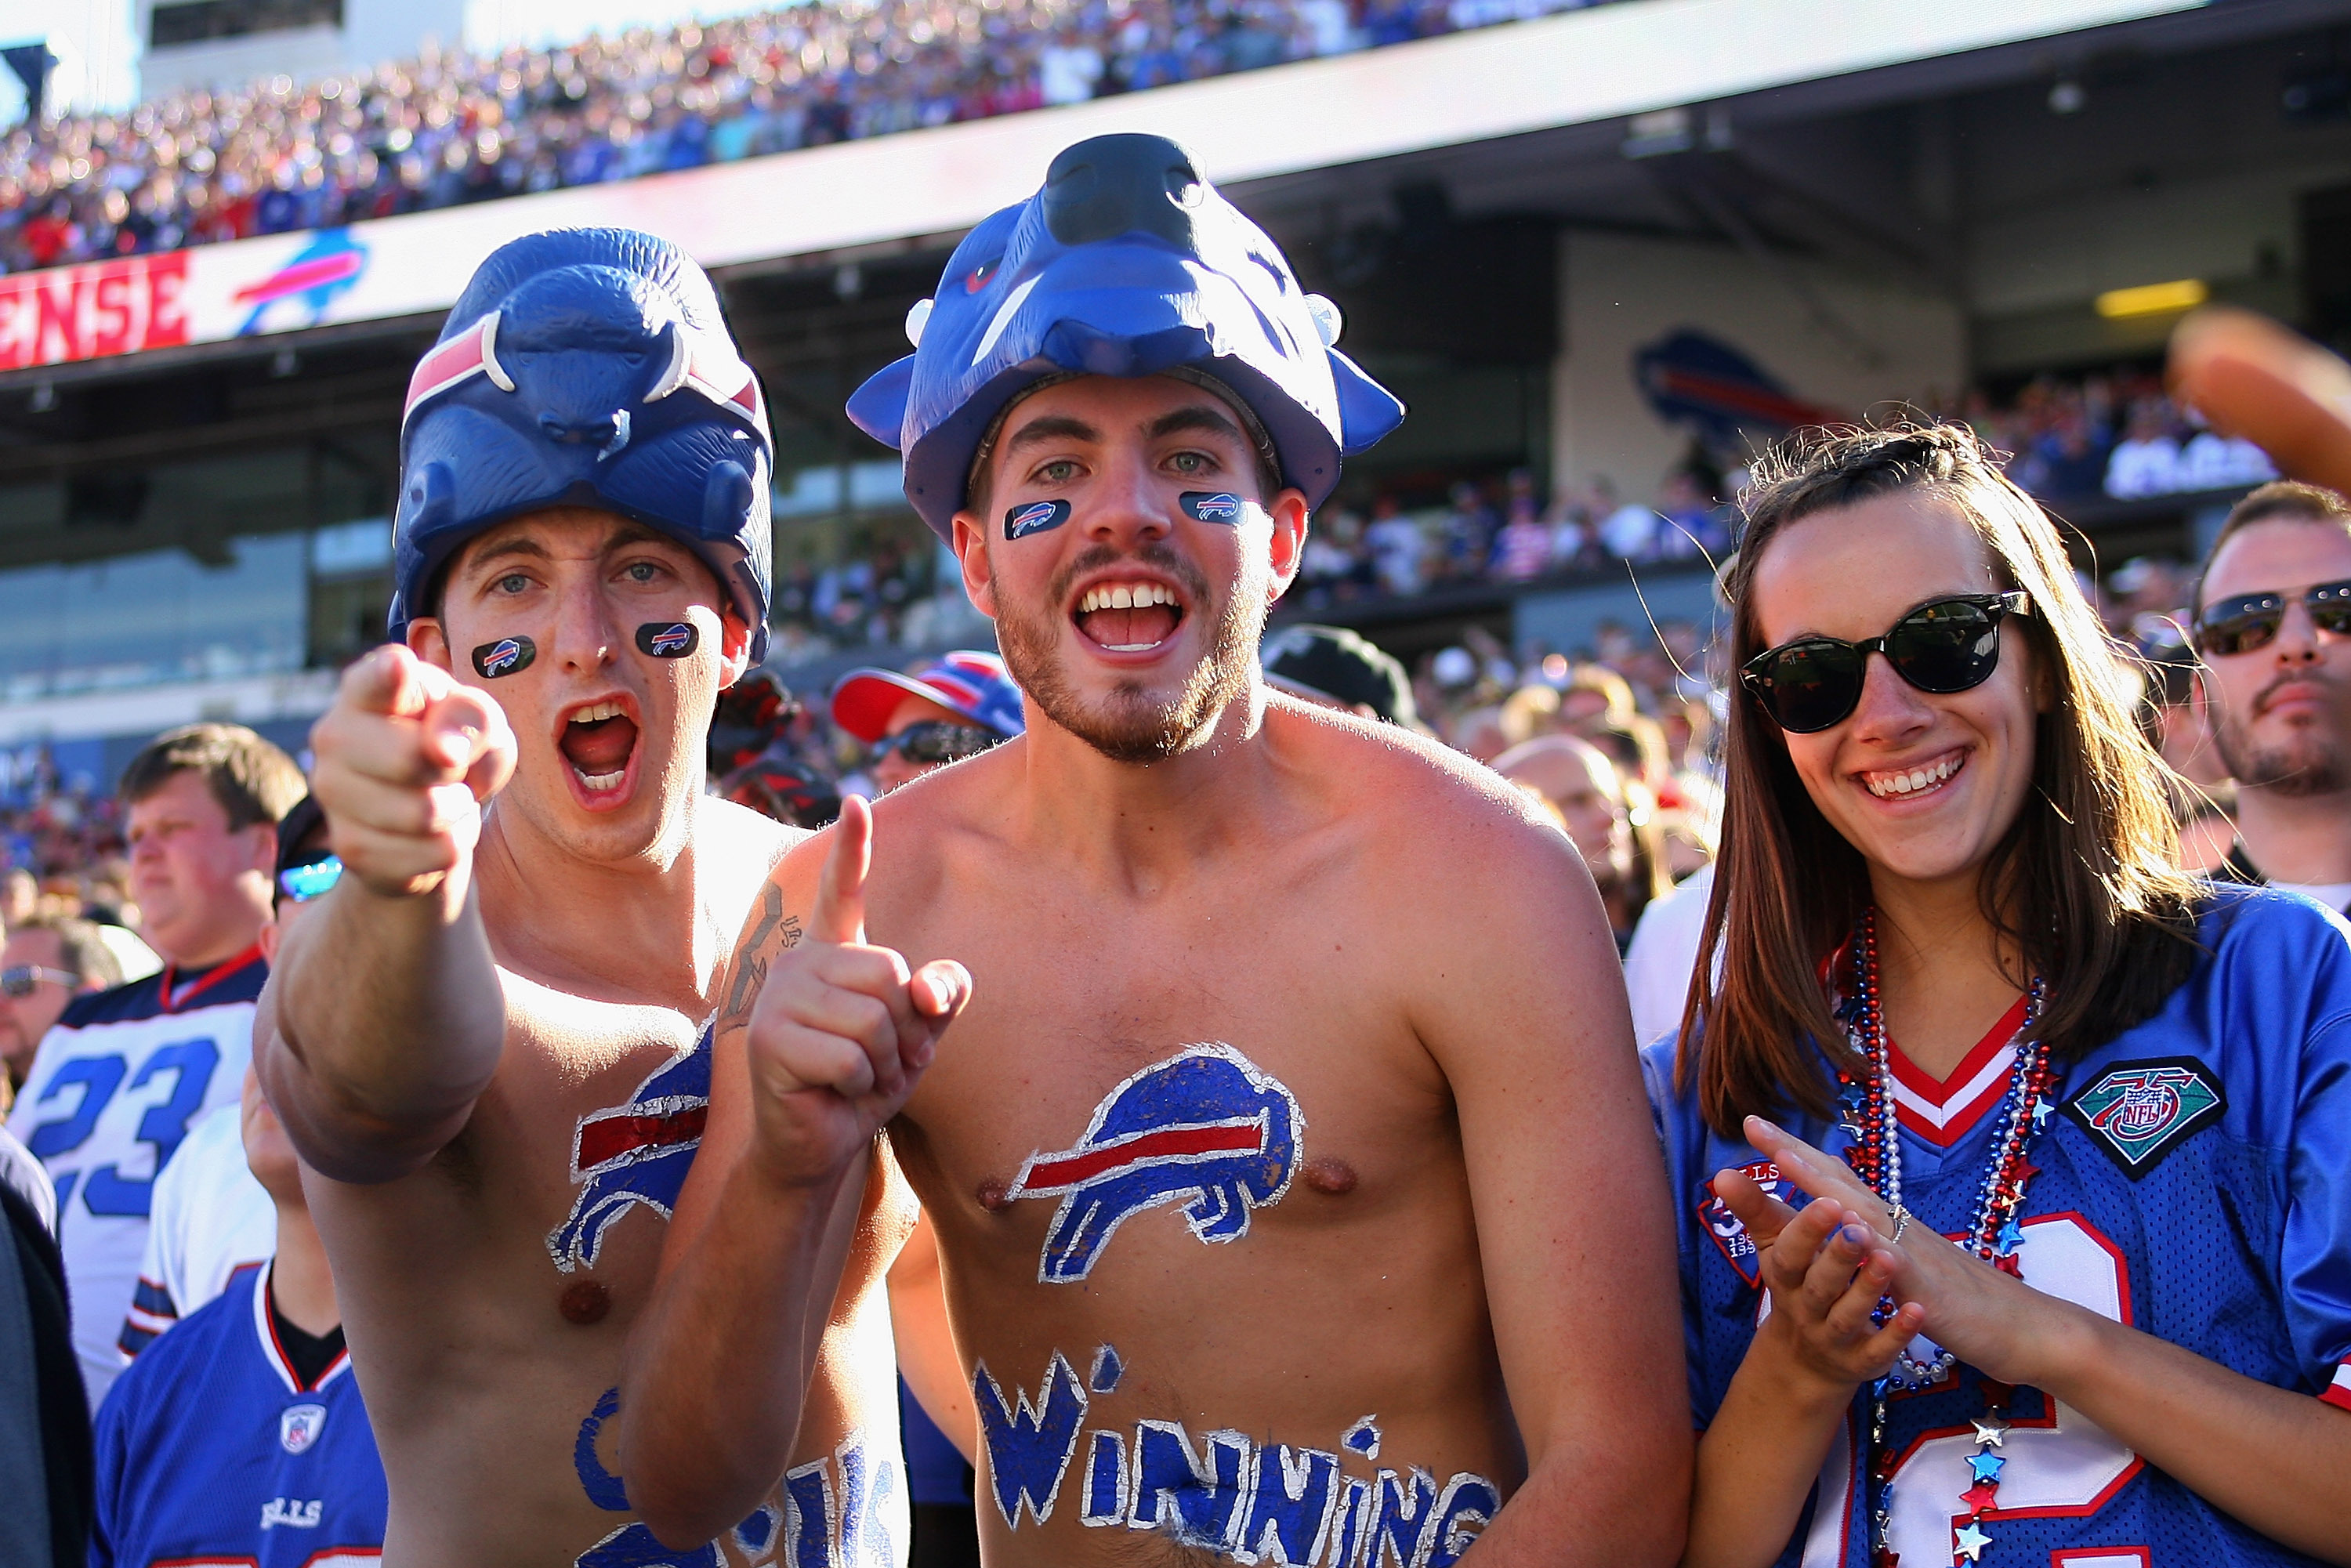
<point>2138,1111</point>
<point>299,1426</point>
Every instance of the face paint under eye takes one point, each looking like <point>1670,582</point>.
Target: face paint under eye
<point>1036,518</point>
<point>504,657</point>
<point>668,639</point>
<point>1213,507</point>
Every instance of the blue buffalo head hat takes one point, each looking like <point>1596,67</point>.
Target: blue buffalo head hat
<point>1125,263</point>
<point>585,367</point>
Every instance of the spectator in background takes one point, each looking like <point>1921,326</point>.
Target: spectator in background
<point>47,962</point>
<point>1628,530</point>
<point>956,707</point>
<point>44,1460</point>
<point>20,896</point>
<point>1584,786</point>
<point>1523,549</point>
<point>1337,668</point>
<point>1693,526</point>
<point>210,1215</point>
<point>1468,532</point>
<point>1068,68</point>
<point>1398,547</point>
<point>2274,626</point>
<point>117,1082</point>
<point>1595,698</point>
<point>2146,460</point>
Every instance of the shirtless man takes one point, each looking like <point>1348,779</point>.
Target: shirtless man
<point>484,1043</point>
<point>1288,1168</point>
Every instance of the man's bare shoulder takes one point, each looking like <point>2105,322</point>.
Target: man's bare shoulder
<point>1404,780</point>
<point>741,837</point>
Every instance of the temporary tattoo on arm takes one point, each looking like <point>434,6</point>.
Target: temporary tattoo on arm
<point>753,954</point>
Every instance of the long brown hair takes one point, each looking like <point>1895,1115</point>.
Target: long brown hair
<point>2084,883</point>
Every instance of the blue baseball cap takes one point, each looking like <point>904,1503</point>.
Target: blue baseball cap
<point>973,685</point>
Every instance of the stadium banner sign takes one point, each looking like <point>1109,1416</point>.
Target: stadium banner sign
<point>1571,69</point>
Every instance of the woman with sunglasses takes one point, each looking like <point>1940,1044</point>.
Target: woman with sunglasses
<point>2052,1262</point>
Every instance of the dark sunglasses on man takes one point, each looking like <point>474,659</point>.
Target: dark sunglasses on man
<point>312,876</point>
<point>23,979</point>
<point>1949,645</point>
<point>936,740</point>
<point>2246,622</point>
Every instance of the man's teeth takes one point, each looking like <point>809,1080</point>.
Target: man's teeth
<point>1884,784</point>
<point>598,783</point>
<point>1126,596</point>
<point>599,711</point>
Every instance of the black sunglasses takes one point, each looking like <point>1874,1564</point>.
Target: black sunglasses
<point>24,978</point>
<point>2251,621</point>
<point>1949,645</point>
<point>936,740</point>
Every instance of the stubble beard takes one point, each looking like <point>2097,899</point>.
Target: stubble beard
<point>2310,763</point>
<point>1131,725</point>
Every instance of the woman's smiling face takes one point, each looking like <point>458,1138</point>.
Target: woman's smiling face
<point>1924,786</point>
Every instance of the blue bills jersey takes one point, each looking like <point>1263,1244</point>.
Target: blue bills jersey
<point>112,1092</point>
<point>2194,1183</point>
<point>211,1449</point>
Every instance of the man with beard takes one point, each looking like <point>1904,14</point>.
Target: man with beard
<point>2273,627</point>
<point>1290,1181</point>
<point>489,1043</point>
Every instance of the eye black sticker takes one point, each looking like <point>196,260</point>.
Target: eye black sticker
<point>504,657</point>
<point>668,639</point>
<point>1036,518</point>
<point>1212,506</point>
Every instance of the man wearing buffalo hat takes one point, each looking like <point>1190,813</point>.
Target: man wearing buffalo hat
<point>488,1042</point>
<point>1289,1173</point>
<point>954,707</point>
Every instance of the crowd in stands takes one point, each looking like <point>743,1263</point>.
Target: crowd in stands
<point>195,167</point>
<point>2117,434</point>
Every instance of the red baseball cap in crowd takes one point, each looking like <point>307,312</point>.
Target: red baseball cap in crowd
<point>972,684</point>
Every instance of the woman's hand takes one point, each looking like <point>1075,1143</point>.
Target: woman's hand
<point>1826,1271</point>
<point>1997,1323</point>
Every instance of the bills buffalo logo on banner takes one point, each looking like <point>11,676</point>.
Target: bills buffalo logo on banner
<point>1036,518</point>
<point>2138,1111</point>
<point>1205,1127</point>
<point>634,1153</point>
<point>299,1426</point>
<point>668,639</point>
<point>504,657</point>
<point>1724,1227</point>
<point>300,293</point>
<point>1212,506</point>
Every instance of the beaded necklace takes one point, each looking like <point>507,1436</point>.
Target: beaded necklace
<point>1868,1113</point>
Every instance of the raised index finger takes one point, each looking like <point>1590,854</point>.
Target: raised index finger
<point>390,680</point>
<point>840,912</point>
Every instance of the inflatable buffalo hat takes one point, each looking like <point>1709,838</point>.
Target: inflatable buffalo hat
<point>585,367</point>
<point>1126,264</point>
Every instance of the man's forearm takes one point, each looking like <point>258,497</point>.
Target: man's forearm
<point>393,1018</point>
<point>719,1367</point>
<point>1570,1512</point>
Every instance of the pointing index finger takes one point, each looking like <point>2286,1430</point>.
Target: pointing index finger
<point>840,912</point>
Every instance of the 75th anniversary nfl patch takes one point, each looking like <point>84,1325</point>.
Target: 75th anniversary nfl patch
<point>2140,1111</point>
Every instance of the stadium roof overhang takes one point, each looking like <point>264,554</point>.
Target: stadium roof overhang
<point>1509,104</point>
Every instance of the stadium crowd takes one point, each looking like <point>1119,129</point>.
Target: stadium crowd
<point>197,167</point>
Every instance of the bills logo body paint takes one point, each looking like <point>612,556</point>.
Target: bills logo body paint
<point>1212,506</point>
<point>1036,518</point>
<point>1205,1127</point>
<point>504,657</point>
<point>668,639</point>
<point>635,1152</point>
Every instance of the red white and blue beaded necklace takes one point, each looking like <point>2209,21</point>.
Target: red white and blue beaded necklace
<point>1868,1113</point>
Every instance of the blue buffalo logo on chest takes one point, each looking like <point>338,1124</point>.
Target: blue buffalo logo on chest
<point>1724,1228</point>
<point>2138,1111</point>
<point>1205,1128</point>
<point>634,1153</point>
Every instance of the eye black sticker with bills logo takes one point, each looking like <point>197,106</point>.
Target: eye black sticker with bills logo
<point>2138,1111</point>
<point>1036,518</point>
<point>668,639</point>
<point>504,657</point>
<point>1213,507</point>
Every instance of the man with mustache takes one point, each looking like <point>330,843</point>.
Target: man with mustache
<point>2273,627</point>
<point>1290,1184</point>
